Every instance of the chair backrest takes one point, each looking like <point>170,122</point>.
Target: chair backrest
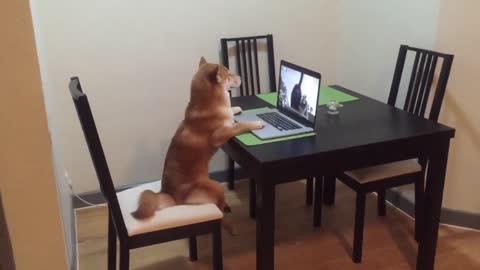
<point>246,49</point>
<point>421,79</point>
<point>96,152</point>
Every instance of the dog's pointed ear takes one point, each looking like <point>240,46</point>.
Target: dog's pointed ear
<point>218,75</point>
<point>215,76</point>
<point>202,61</point>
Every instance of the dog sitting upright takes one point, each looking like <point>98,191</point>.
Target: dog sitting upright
<point>207,125</point>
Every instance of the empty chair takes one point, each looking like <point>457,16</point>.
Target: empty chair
<point>381,177</point>
<point>177,222</point>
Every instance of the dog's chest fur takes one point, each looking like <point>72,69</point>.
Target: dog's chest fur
<point>191,149</point>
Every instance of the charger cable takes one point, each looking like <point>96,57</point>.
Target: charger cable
<point>69,181</point>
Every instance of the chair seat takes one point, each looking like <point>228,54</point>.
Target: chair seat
<point>170,217</point>
<point>384,171</point>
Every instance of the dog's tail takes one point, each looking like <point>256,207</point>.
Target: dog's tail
<point>147,205</point>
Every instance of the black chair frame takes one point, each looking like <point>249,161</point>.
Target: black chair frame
<point>417,97</point>
<point>116,224</point>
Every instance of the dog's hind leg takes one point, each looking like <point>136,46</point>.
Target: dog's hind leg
<point>164,200</point>
<point>198,196</point>
<point>210,191</point>
<point>206,191</point>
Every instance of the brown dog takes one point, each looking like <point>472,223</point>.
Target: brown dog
<point>207,125</point>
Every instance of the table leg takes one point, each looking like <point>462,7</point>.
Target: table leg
<point>317,205</point>
<point>432,205</point>
<point>253,197</point>
<point>265,224</point>
<point>329,189</point>
<point>309,192</point>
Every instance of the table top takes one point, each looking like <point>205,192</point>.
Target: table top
<point>360,123</point>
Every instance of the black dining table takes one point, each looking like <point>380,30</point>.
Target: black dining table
<point>366,132</point>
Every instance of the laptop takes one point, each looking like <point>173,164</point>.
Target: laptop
<point>298,92</point>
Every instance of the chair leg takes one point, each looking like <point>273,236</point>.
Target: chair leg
<point>381,203</point>
<point>217,248</point>
<point>231,174</point>
<point>329,190</point>
<point>317,206</point>
<point>253,197</point>
<point>192,244</point>
<point>112,244</point>
<point>419,202</point>
<point>124,256</point>
<point>359,222</point>
<point>309,192</point>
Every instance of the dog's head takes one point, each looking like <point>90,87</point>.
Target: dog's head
<point>213,77</point>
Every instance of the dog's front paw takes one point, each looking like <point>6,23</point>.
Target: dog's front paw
<point>258,125</point>
<point>236,110</point>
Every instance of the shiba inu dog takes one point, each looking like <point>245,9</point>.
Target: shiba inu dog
<point>208,124</point>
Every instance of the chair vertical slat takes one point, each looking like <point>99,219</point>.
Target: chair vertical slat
<point>239,66</point>
<point>271,63</point>
<point>423,83</point>
<point>429,85</point>
<point>397,75</point>
<point>224,53</point>
<point>421,80</point>
<point>250,66</point>
<point>255,54</point>
<point>413,97</point>
<point>412,81</point>
<point>224,46</point>
<point>441,87</point>
<point>244,71</point>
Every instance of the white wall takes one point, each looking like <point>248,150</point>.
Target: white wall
<point>135,60</point>
<point>370,35</point>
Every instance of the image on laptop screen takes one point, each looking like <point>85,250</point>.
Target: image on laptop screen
<point>298,92</point>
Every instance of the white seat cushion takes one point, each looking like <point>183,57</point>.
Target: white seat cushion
<point>385,171</point>
<point>175,216</point>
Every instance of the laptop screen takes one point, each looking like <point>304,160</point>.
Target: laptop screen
<point>298,91</point>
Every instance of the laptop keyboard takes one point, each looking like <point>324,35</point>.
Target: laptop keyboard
<point>278,121</point>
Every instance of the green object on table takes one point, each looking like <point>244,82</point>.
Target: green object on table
<point>269,97</point>
<point>326,94</point>
<point>250,140</point>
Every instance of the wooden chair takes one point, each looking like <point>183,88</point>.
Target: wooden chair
<point>381,177</point>
<point>246,57</point>
<point>177,222</point>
